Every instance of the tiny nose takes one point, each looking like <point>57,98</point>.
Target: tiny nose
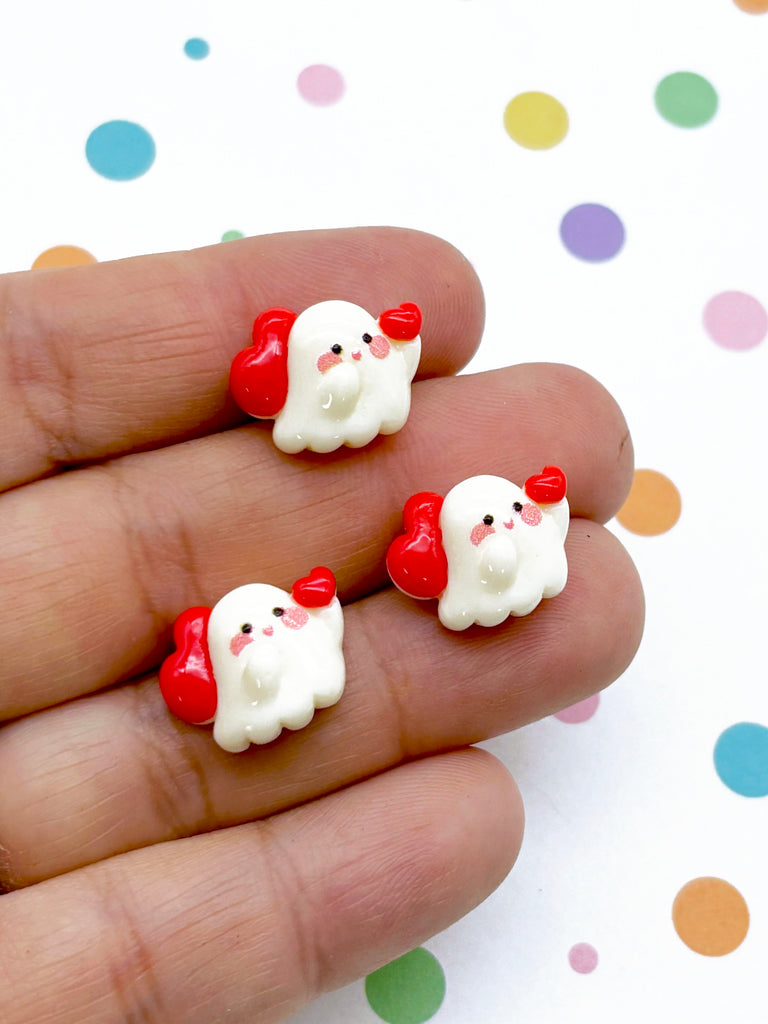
<point>268,630</point>
<point>357,354</point>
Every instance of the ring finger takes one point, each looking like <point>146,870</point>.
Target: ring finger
<point>115,771</point>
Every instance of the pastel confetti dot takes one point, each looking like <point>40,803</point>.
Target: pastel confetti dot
<point>63,256</point>
<point>735,320</point>
<point>321,85</point>
<point>583,958</point>
<point>741,759</point>
<point>231,236</point>
<point>196,49</point>
<point>581,712</point>
<point>592,232</point>
<point>536,120</point>
<point>752,6</point>
<point>653,505</point>
<point>710,916</point>
<point>408,990</point>
<point>686,99</point>
<point>120,150</point>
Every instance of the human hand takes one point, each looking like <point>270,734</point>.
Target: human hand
<point>156,877</point>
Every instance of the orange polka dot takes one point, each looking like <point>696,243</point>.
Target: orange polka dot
<point>63,256</point>
<point>710,916</point>
<point>752,6</point>
<point>653,505</point>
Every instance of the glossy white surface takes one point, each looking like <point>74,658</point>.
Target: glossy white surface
<point>274,676</point>
<point>503,568</point>
<point>343,398</point>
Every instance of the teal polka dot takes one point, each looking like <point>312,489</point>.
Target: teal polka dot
<point>120,150</point>
<point>196,49</point>
<point>741,759</point>
<point>230,236</point>
<point>410,990</point>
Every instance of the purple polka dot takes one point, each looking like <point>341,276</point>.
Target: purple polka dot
<point>592,232</point>
<point>580,712</point>
<point>321,85</point>
<point>735,320</point>
<point>583,958</point>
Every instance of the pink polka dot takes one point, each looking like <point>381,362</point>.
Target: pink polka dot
<point>735,320</point>
<point>580,712</point>
<point>583,958</point>
<point>321,85</point>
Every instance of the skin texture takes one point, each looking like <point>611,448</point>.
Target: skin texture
<point>186,883</point>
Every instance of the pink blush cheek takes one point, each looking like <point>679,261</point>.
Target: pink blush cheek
<point>531,515</point>
<point>379,347</point>
<point>327,360</point>
<point>480,532</point>
<point>295,618</point>
<point>238,642</point>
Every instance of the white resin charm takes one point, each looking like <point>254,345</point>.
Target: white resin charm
<point>259,662</point>
<point>275,676</point>
<point>332,376</point>
<point>504,568</point>
<point>489,550</point>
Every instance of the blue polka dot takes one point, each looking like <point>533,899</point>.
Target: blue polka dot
<point>741,759</point>
<point>120,150</point>
<point>196,49</point>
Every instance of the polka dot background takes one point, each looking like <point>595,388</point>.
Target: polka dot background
<point>120,150</point>
<point>686,99</point>
<point>536,120</point>
<point>592,232</point>
<point>320,85</point>
<point>735,320</point>
<point>602,166</point>
<point>196,49</point>
<point>710,916</point>
<point>62,256</point>
<point>653,505</point>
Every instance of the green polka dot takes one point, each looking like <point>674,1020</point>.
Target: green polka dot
<point>410,990</point>
<point>686,99</point>
<point>230,236</point>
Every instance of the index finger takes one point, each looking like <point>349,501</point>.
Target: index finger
<point>108,358</point>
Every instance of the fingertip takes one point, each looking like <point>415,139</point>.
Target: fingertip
<point>455,296</point>
<point>584,430</point>
<point>500,802</point>
<point>606,476</point>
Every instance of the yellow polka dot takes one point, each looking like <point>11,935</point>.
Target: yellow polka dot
<point>536,120</point>
<point>710,916</point>
<point>752,6</point>
<point>63,256</point>
<point>653,505</point>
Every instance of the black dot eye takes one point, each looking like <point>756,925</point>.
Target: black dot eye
<point>336,349</point>
<point>246,628</point>
<point>488,520</point>
<point>278,612</point>
<point>367,339</point>
<point>517,507</point>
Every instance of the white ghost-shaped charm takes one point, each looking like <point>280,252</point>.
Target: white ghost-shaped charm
<point>260,661</point>
<point>331,376</point>
<point>489,550</point>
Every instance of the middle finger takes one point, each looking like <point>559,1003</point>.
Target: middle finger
<point>89,595</point>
